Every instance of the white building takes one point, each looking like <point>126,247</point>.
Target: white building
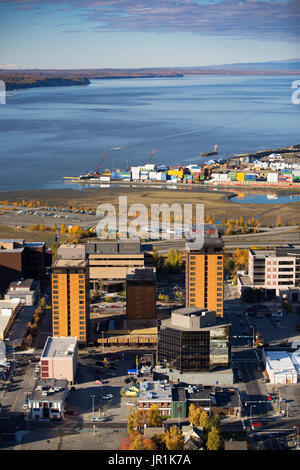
<point>46,401</point>
<point>282,367</point>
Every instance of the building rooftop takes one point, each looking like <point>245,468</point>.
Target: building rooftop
<point>59,347</point>
<point>280,361</point>
<point>193,319</point>
<point>7,308</point>
<point>22,284</point>
<point>48,389</point>
<point>114,247</point>
<point>141,274</point>
<point>156,391</point>
<point>69,263</point>
<point>207,236</point>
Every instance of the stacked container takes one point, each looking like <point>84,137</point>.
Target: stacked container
<point>272,177</point>
<point>296,176</point>
<point>250,177</point>
<point>240,176</point>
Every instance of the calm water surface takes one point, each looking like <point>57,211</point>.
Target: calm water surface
<point>48,133</point>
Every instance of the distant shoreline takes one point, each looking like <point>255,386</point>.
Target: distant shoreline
<point>22,79</point>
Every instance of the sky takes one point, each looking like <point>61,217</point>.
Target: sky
<point>146,33</point>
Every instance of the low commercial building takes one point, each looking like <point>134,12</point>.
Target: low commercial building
<point>156,393</point>
<point>59,358</point>
<point>47,400</point>
<point>8,312</point>
<point>25,290</point>
<point>282,367</point>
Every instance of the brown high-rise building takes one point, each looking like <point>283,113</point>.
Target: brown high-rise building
<point>70,298</point>
<point>205,272</point>
<point>19,258</point>
<point>141,294</point>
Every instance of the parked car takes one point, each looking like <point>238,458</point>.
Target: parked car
<point>109,396</point>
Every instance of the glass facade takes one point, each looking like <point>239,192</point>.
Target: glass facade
<point>187,351</point>
<point>193,351</point>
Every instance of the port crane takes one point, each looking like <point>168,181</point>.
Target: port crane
<point>151,156</point>
<point>96,172</point>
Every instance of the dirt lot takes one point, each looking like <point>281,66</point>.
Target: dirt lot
<point>217,204</point>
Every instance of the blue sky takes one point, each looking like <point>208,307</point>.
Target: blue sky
<point>146,33</point>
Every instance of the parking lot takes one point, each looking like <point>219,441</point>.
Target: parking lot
<point>93,383</point>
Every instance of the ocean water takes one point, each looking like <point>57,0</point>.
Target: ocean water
<point>47,133</point>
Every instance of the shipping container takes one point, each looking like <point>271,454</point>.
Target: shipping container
<point>240,176</point>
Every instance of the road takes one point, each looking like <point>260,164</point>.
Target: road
<point>275,430</point>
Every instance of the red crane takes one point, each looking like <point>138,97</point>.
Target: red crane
<point>96,172</point>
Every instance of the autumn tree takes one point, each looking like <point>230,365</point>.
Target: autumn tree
<point>154,417</point>
<point>195,414</point>
<point>140,419</point>
<point>130,420</point>
<point>204,419</point>
<point>278,221</point>
<point>174,261</point>
<point>173,439</point>
<point>214,441</point>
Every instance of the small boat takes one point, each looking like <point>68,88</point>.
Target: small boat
<point>208,154</point>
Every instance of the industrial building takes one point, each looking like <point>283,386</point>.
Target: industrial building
<point>205,272</point>
<point>59,358</point>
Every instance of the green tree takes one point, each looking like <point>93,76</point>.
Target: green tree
<point>214,441</point>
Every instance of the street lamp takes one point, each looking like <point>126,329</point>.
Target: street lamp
<point>93,405</point>
<point>297,436</point>
<point>102,334</point>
